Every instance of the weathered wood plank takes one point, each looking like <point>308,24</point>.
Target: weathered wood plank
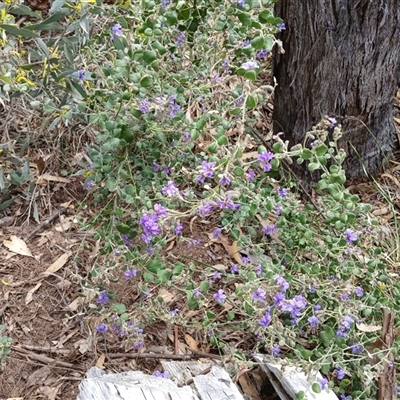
<point>288,381</point>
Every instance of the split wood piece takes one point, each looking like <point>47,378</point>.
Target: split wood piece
<point>387,379</point>
<point>288,381</point>
<point>60,212</point>
<point>136,385</point>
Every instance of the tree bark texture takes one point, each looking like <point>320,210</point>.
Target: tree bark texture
<point>342,59</point>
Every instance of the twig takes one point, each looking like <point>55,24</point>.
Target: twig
<point>182,357</point>
<point>60,212</point>
<point>176,339</point>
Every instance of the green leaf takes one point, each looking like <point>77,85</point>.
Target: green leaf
<point>222,140</point>
<point>171,18</point>
<point>146,81</point>
<point>43,26</point>
<point>245,18</point>
<point>149,56</point>
<point>163,275</point>
<point>263,16</point>
<point>155,265</point>
<point>321,150</point>
<point>204,286</point>
<point>316,387</point>
<point>235,111</point>
<point>13,30</point>
<point>251,101</point>
<point>248,308</point>
<point>210,315</point>
<point>119,308</point>
<point>269,42</point>
<point>258,43</point>
<point>178,268</point>
<point>123,228</point>
<point>20,9</point>
<point>56,5</point>
<point>251,75</point>
<point>313,167</point>
<point>148,277</point>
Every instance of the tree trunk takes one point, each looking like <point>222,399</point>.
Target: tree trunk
<point>342,59</point>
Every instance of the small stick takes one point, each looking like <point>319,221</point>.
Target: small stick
<point>184,357</point>
<point>60,212</point>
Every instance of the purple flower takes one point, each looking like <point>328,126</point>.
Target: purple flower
<point>266,319</point>
<point>144,106</point>
<point>344,397</point>
<point>173,108</point>
<point>351,236</point>
<point>234,269</point>
<point>323,383</point>
<point>227,203</point>
<point>359,291</point>
<point>130,273</point>
<point>206,169</point>
<point>269,229</point>
<point>126,240</point>
<point>282,192</point>
<point>278,299</point>
<point>344,297</point>
<point>89,184</point>
<point>265,158</point>
<point>357,348</point>
<point>281,26</point>
<point>164,3</point>
<point>196,293</point>
<point>149,222</point>
<point>245,260</point>
<point>138,345</point>
<point>219,296</point>
<point>333,122</point>
<point>250,175</point>
<point>116,30</point>
<point>205,208</point>
<point>160,210</point>
<point>217,233</point>
<point>339,373</point>
<point>225,180</point>
<point>216,78</point>
<point>281,281</point>
<point>103,298</point>
<point>262,54</point>
<point>276,351</point>
<point>250,65</point>
<point>101,328</point>
<point>317,307</point>
<point>170,190</point>
<point>259,295</point>
<point>160,374</point>
<point>258,269</point>
<point>178,229</point>
<point>216,275</point>
<point>81,74</point>
<point>174,312</point>
<point>181,38</point>
<point>294,306</point>
<point>344,326</point>
<point>157,166</point>
<point>313,321</point>
<point>246,43</point>
<point>240,3</point>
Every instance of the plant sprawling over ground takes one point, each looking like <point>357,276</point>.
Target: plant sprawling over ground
<point>174,94</point>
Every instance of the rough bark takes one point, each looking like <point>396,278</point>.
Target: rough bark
<point>342,59</point>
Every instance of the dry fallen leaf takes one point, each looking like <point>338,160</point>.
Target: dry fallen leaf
<point>368,328</point>
<point>100,361</point>
<point>46,178</point>
<point>58,264</point>
<point>29,295</point>
<point>18,246</point>
<point>236,254</point>
<point>192,344</point>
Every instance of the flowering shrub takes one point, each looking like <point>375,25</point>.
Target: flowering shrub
<point>173,91</point>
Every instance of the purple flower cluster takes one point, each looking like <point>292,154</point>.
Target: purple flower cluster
<point>178,229</point>
<point>149,222</point>
<point>266,319</point>
<point>276,351</point>
<point>313,321</point>
<point>339,373</point>
<point>359,291</point>
<point>234,269</point>
<point>265,158</point>
<point>259,295</point>
<point>130,273</point>
<point>103,298</point>
<point>205,208</point>
<point>270,229</point>
<point>323,383</point>
<point>357,348</point>
<point>250,175</point>
<point>249,65</point>
<point>262,54</point>
<point>144,106</point>
<point>220,296</point>
<point>173,107</point>
<point>206,170</point>
<point>170,189</point>
<point>294,306</point>
<point>345,326</point>
<point>116,30</point>
<point>350,236</point>
<point>126,240</point>
<point>81,74</point>
<point>160,374</point>
<point>281,26</point>
<point>181,38</point>
<point>281,281</point>
<point>227,203</point>
<point>225,181</point>
<point>101,328</point>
